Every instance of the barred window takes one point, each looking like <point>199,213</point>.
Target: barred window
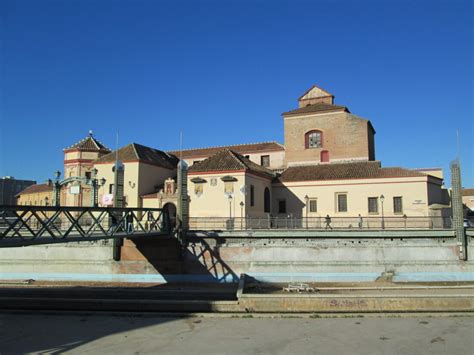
<point>266,200</point>
<point>397,204</point>
<point>252,195</point>
<point>282,206</point>
<point>373,205</point>
<point>313,139</point>
<point>265,161</point>
<point>313,205</point>
<point>342,203</point>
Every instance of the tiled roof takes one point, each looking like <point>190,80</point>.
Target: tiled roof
<point>343,171</point>
<point>134,151</point>
<point>228,160</point>
<point>89,144</point>
<point>316,108</point>
<point>468,192</point>
<point>240,148</point>
<point>33,189</point>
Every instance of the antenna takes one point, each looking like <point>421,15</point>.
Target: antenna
<point>457,145</point>
<point>180,145</point>
<point>116,149</point>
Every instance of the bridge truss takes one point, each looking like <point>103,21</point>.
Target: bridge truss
<point>30,225</point>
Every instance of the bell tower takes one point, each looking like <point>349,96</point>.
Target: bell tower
<point>320,132</point>
<point>315,95</point>
<point>78,157</point>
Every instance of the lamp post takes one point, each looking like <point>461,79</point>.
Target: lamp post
<point>95,183</point>
<point>241,214</point>
<point>57,189</point>
<point>230,206</point>
<point>306,198</point>
<point>382,198</point>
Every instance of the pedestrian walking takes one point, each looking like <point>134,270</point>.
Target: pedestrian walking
<point>328,222</point>
<point>361,221</point>
<point>129,223</point>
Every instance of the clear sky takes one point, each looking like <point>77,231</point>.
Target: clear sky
<point>222,72</point>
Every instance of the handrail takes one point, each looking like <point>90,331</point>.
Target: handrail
<point>53,223</point>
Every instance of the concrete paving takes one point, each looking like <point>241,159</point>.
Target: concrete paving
<point>106,334</point>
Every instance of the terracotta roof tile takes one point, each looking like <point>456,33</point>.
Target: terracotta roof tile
<point>315,108</point>
<point>343,171</point>
<point>468,192</point>
<point>89,144</point>
<point>228,160</point>
<point>240,148</point>
<point>32,189</point>
<point>141,153</point>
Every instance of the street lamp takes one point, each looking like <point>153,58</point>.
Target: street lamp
<point>95,183</point>
<point>230,206</point>
<point>241,214</point>
<point>57,188</point>
<point>306,198</point>
<point>382,198</point>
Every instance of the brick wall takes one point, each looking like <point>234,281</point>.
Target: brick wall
<point>345,136</point>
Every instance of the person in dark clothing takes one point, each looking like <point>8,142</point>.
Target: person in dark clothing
<point>129,223</point>
<point>328,222</point>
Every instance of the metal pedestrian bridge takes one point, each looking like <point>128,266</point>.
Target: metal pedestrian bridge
<point>33,225</point>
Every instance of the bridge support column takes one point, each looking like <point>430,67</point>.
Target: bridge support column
<point>457,208</point>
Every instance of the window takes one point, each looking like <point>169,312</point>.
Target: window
<point>252,195</point>
<point>313,139</point>
<point>397,204</point>
<point>88,175</point>
<point>373,205</point>
<point>313,205</point>
<point>266,201</point>
<point>265,161</point>
<point>111,188</point>
<point>281,206</point>
<point>342,202</point>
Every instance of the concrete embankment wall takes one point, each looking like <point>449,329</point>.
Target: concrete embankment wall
<point>397,256</point>
<point>277,257</point>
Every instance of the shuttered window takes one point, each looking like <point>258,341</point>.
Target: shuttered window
<point>373,205</point>
<point>397,205</point>
<point>342,203</point>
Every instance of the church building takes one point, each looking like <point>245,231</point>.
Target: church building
<point>326,166</point>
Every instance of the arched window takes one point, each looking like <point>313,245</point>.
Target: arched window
<point>266,200</point>
<point>313,139</point>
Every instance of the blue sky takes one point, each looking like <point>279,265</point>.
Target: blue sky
<point>222,72</point>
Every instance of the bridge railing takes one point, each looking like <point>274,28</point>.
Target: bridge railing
<point>319,223</point>
<point>47,222</point>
